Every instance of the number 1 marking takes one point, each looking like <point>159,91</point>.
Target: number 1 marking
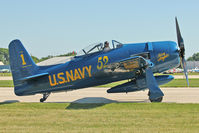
<point>22,58</point>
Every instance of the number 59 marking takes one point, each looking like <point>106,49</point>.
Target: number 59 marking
<point>102,61</point>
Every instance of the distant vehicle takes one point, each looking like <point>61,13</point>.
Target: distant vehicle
<point>4,71</point>
<point>174,70</point>
<point>100,65</point>
<point>195,70</point>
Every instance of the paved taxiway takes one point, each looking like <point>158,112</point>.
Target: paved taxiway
<point>99,95</point>
<point>5,78</point>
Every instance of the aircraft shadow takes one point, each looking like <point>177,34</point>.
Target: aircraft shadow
<point>89,103</point>
<point>76,106</point>
<point>9,102</point>
<point>94,102</point>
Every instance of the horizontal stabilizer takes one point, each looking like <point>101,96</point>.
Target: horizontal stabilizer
<point>34,76</point>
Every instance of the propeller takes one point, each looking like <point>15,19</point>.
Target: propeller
<point>181,51</point>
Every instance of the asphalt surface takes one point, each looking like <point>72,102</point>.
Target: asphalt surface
<point>183,77</point>
<point>5,78</point>
<point>99,95</point>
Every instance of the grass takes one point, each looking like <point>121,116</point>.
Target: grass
<point>173,83</point>
<point>190,73</point>
<point>103,118</point>
<point>6,83</point>
<point>182,83</point>
<point>5,74</point>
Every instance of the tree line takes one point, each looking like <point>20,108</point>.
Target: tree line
<point>4,56</point>
<point>194,57</point>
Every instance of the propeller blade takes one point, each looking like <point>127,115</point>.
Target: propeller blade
<point>155,91</point>
<point>179,37</point>
<point>182,50</point>
<point>185,70</point>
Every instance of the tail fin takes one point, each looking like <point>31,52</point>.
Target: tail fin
<point>23,69</point>
<point>21,63</point>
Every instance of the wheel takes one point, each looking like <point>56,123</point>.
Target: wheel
<point>156,100</point>
<point>42,100</point>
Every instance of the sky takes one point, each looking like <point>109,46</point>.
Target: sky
<point>54,27</point>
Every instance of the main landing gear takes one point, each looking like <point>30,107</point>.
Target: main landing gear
<point>45,96</point>
<point>155,100</point>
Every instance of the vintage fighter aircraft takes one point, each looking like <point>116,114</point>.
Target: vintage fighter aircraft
<point>137,62</point>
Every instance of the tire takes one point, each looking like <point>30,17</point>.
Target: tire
<point>157,100</point>
<point>41,100</point>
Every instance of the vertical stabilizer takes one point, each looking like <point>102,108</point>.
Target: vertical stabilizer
<point>21,63</point>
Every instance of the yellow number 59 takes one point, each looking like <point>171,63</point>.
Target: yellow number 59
<point>101,63</point>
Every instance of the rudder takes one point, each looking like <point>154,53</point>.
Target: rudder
<point>21,62</point>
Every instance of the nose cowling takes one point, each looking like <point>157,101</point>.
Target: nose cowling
<point>174,53</point>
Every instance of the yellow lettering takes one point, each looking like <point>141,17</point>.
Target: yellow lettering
<point>162,56</point>
<point>105,59</point>
<point>99,63</point>
<point>54,79</point>
<point>60,76</point>
<point>77,76</point>
<point>23,60</point>
<point>88,70</point>
<point>69,75</point>
<point>82,72</point>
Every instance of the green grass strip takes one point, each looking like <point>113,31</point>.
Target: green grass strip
<point>98,118</point>
<point>5,74</point>
<point>190,73</point>
<point>182,83</point>
<point>6,83</point>
<point>173,83</point>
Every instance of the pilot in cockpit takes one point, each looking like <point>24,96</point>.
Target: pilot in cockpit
<point>106,46</point>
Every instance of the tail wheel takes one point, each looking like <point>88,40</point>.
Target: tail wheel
<point>45,96</point>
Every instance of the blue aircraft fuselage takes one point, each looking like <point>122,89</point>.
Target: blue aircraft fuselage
<point>92,69</point>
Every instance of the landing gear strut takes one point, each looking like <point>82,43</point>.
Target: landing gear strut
<point>155,100</point>
<point>45,96</point>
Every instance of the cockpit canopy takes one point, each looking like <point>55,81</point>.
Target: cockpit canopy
<point>97,47</point>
